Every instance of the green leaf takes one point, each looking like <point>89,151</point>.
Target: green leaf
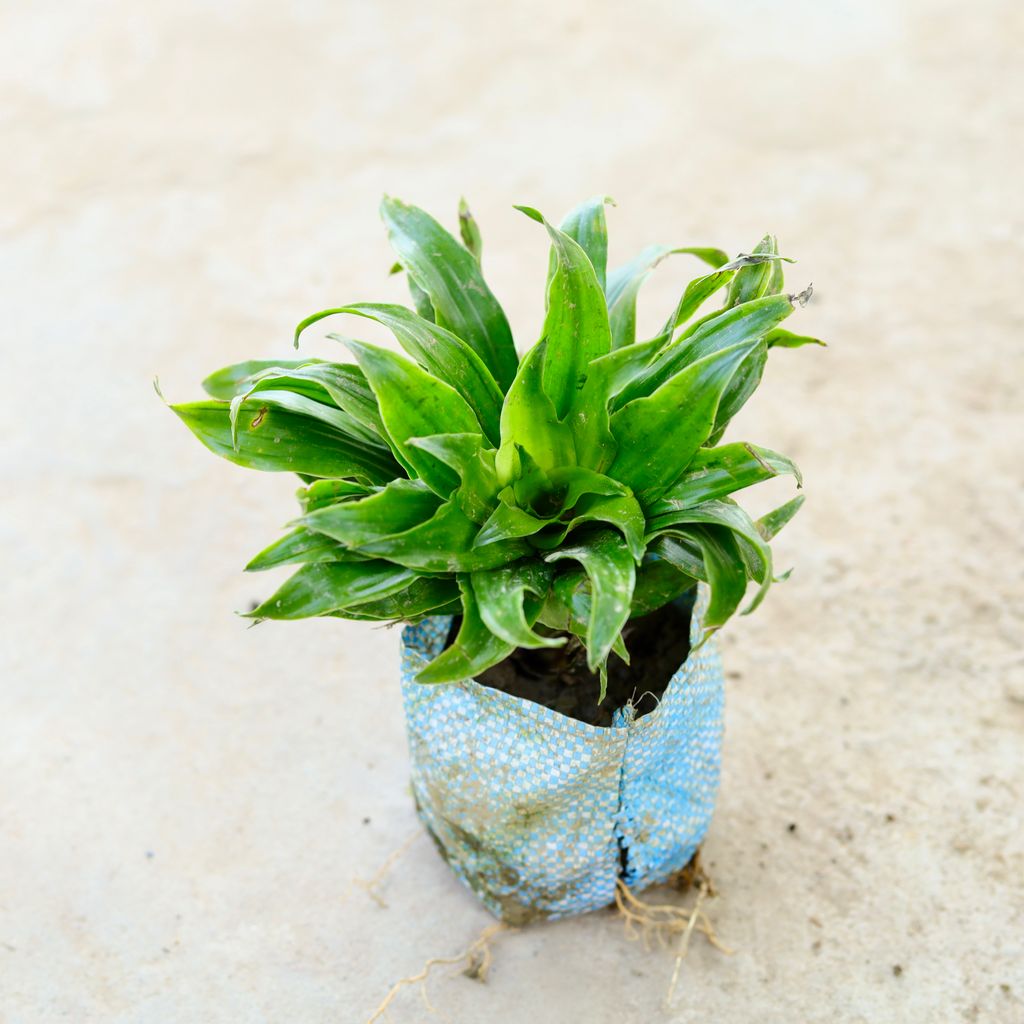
<point>743,324</point>
<point>529,420</point>
<point>657,583</point>
<point>683,553</point>
<point>329,492</point>
<point>508,521</point>
<point>538,499</point>
<point>281,398</point>
<point>301,545</point>
<point>624,285</point>
<point>426,595</point>
<point>442,354</point>
<point>470,232</point>
<point>572,482</point>
<point>621,511</point>
<point>279,441</point>
<point>451,276</point>
<point>400,506</point>
<point>325,587</point>
<point>413,403</point>
<point>780,338</point>
<point>477,493</point>
<point>610,569</point>
<point>337,384</point>
<point>769,525</point>
<point>576,330</point>
<point>744,383</point>
<point>717,472</point>
<point>587,226</point>
<point>726,575</point>
<point>659,435</point>
<point>702,288</point>
<point>474,649</point>
<point>420,300</point>
<point>226,383</point>
<point>501,594</point>
<point>757,555</point>
<point>444,543</point>
<point>755,280</point>
<point>552,493</point>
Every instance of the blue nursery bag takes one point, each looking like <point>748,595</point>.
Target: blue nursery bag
<point>540,814</point>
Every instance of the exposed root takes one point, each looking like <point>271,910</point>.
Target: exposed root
<point>476,956</point>
<point>370,884</point>
<point>669,923</point>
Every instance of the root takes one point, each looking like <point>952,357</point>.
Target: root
<point>663,922</point>
<point>476,956</point>
<point>369,885</point>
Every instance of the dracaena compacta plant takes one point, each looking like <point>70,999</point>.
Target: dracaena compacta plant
<point>541,497</point>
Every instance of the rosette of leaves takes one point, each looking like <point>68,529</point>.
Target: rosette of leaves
<point>542,497</point>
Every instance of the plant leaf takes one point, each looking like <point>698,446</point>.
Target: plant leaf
<point>682,553</point>
<point>726,574</point>
<point>702,288</point>
<point>756,279</point>
<point>294,401</point>
<point>500,595</point>
<point>231,380</point>
<point>743,324</point>
<point>624,285</point>
<point>450,275</point>
<point>470,232</point>
<point>474,649</point>
<point>400,506</point>
<point>780,338</point>
<point>508,521</point>
<point>529,421</point>
<point>587,226</point>
<point>621,511</point>
<point>414,403</point>
<point>329,492</point>
<point>717,472</point>
<point>280,441</point>
<point>477,493</point>
<point>612,574</point>
<point>757,555</point>
<point>442,354</point>
<point>444,543</point>
<point>657,583</point>
<point>769,525</point>
<point>659,435</point>
<point>426,595</point>
<point>301,545</point>
<point>327,586</point>
<point>576,330</point>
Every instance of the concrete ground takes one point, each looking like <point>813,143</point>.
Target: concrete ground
<point>185,803</point>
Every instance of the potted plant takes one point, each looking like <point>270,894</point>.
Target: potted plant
<point>556,530</point>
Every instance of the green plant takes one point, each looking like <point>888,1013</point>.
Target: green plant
<point>563,492</point>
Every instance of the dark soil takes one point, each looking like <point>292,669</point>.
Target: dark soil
<point>559,678</point>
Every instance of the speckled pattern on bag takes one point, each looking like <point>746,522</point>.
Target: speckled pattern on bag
<point>538,813</point>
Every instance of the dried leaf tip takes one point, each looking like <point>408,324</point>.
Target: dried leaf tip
<point>802,298</point>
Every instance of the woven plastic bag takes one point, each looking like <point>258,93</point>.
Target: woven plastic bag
<point>540,814</point>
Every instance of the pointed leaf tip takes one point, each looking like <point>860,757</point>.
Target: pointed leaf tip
<point>530,212</point>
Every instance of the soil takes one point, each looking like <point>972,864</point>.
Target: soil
<point>558,678</point>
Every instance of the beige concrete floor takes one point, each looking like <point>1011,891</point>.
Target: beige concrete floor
<point>184,803</point>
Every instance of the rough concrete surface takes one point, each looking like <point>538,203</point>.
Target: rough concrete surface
<point>184,802</point>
